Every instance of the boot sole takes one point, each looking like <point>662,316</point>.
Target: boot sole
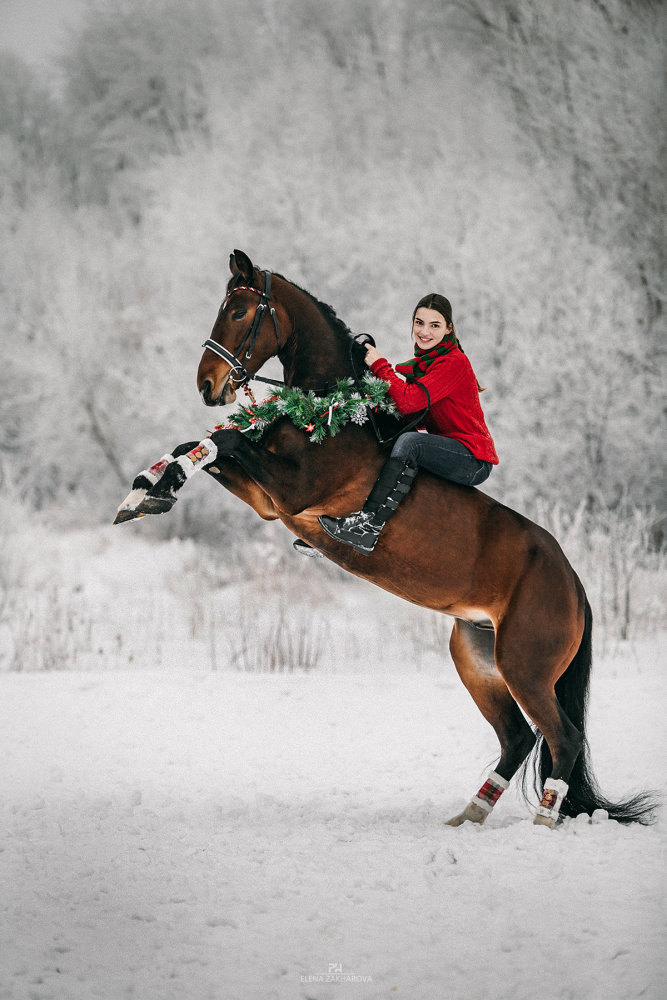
<point>344,541</point>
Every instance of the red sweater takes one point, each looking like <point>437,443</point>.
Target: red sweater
<point>455,408</point>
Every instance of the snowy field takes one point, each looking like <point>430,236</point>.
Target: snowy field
<point>172,831</point>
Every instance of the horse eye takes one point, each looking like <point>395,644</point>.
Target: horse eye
<point>239,313</point>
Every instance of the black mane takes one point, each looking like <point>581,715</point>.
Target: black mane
<point>385,426</point>
<point>328,312</point>
<point>340,328</point>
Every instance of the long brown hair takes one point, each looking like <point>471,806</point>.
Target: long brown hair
<point>442,305</point>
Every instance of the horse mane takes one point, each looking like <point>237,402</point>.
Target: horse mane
<point>339,327</point>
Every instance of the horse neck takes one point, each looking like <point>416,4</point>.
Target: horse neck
<point>316,354</point>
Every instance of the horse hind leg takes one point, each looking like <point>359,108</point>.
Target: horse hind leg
<point>472,650</point>
<point>530,671</point>
<point>564,742</point>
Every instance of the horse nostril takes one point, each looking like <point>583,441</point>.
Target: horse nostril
<point>206,389</point>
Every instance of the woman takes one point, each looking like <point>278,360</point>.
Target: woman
<point>457,445</point>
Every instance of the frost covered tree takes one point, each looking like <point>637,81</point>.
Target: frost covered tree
<point>29,133</point>
<point>134,88</point>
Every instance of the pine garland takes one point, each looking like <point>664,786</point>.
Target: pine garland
<point>317,415</point>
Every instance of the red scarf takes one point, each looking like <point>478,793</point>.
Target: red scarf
<point>419,365</point>
<point>423,359</point>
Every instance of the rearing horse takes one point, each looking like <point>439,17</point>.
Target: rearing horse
<point>521,639</point>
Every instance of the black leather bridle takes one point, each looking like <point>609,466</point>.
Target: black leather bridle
<point>250,335</point>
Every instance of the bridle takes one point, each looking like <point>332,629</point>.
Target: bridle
<point>250,335</point>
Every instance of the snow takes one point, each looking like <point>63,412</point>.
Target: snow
<point>184,832</point>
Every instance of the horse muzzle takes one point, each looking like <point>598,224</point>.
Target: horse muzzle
<point>217,396</point>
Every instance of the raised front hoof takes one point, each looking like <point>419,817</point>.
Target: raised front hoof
<point>127,515</point>
<point>540,820</point>
<point>156,505</point>
<point>471,814</point>
<point>130,507</point>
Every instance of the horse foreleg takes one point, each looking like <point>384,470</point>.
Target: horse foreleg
<point>290,484</point>
<point>144,482</point>
<point>229,474</point>
<point>187,460</point>
<point>155,490</point>
<point>472,650</point>
<point>287,484</point>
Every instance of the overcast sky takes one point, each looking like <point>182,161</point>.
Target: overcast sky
<point>35,28</point>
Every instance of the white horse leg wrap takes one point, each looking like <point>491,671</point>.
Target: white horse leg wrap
<point>157,471</point>
<point>147,478</point>
<point>555,790</point>
<point>201,455</point>
<point>490,792</point>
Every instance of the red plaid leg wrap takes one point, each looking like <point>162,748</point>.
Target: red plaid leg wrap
<point>156,471</point>
<point>490,792</point>
<point>555,790</point>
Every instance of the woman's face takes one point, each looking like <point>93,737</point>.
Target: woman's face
<point>428,328</point>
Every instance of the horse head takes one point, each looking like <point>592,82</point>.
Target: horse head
<point>250,328</point>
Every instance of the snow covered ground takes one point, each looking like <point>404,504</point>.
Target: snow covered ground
<point>171,831</point>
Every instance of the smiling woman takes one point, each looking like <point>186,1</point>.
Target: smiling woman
<point>457,445</point>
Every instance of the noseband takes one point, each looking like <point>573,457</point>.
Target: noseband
<point>251,334</point>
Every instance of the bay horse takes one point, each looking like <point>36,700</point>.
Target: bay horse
<point>521,639</point>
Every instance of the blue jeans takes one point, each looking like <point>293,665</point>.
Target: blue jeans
<point>443,456</point>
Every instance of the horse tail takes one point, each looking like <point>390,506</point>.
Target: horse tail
<point>583,794</point>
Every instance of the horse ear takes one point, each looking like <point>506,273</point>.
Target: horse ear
<point>240,263</point>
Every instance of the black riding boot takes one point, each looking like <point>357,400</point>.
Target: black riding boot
<point>361,530</point>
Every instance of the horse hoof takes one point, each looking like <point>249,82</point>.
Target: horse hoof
<point>131,505</point>
<point>549,821</point>
<point>156,505</point>
<point>471,814</point>
<point>127,515</point>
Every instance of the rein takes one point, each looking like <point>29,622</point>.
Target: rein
<point>367,339</point>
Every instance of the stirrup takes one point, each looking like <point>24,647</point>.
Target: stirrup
<point>304,549</point>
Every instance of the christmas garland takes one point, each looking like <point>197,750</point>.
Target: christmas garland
<point>317,415</point>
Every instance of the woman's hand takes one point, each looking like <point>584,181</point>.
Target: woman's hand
<point>372,355</point>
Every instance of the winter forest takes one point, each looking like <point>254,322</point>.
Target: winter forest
<point>506,153</point>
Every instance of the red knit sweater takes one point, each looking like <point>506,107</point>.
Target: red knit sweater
<point>455,408</point>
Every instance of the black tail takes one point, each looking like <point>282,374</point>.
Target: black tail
<point>583,795</point>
